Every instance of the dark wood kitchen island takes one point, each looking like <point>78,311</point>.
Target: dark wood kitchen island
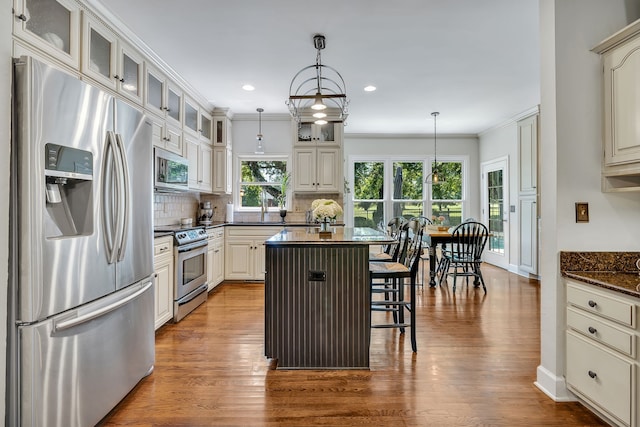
<point>317,298</point>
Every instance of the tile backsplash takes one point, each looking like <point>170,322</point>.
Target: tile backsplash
<point>170,208</point>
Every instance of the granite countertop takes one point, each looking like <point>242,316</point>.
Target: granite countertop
<point>311,235</point>
<point>615,271</point>
<point>279,223</point>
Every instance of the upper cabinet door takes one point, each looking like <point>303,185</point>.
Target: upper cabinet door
<point>50,25</point>
<point>191,115</point>
<point>306,133</point>
<point>130,77</point>
<point>99,52</point>
<point>206,127</point>
<point>174,104</point>
<point>155,84</point>
<point>622,105</point>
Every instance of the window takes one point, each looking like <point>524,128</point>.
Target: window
<point>407,195</point>
<point>261,180</point>
<point>368,194</point>
<point>447,196</point>
<point>386,188</point>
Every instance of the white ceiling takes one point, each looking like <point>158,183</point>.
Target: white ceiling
<point>477,62</point>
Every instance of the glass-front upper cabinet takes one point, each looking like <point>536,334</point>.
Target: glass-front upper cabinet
<point>191,115</point>
<point>99,53</point>
<point>163,97</point>
<point>206,130</point>
<point>174,103</point>
<point>155,84</point>
<point>52,26</point>
<point>310,133</point>
<point>129,77</point>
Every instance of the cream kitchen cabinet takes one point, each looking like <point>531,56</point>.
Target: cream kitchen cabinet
<point>110,61</point>
<point>52,26</point>
<point>602,360</point>
<point>621,65</point>
<point>197,121</point>
<point>215,257</point>
<point>308,133</point>
<point>163,97</point>
<point>222,170</point>
<point>317,170</point>
<point>165,136</point>
<point>245,251</point>
<point>200,157</point>
<point>163,266</point>
<point>222,129</point>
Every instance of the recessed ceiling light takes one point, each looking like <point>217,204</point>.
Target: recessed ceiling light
<point>248,87</point>
<point>369,88</point>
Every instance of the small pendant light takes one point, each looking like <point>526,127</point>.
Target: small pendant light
<point>260,137</point>
<point>436,177</point>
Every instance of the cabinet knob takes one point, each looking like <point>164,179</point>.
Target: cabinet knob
<point>118,78</point>
<point>592,330</point>
<point>592,303</point>
<point>22,17</point>
<point>592,374</point>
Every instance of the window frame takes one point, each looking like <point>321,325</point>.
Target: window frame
<point>387,199</point>
<point>237,183</point>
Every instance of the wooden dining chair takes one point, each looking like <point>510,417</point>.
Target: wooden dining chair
<point>464,254</point>
<point>388,279</point>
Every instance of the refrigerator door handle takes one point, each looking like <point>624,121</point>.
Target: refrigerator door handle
<point>124,196</point>
<point>120,208</point>
<point>70,323</point>
<point>107,199</point>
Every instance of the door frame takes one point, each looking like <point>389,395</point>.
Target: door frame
<point>500,163</point>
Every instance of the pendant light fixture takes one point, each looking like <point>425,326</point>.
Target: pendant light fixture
<point>436,177</point>
<point>260,137</point>
<point>315,86</point>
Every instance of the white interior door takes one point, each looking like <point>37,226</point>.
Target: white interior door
<point>495,211</point>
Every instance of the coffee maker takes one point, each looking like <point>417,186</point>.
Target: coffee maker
<point>206,213</point>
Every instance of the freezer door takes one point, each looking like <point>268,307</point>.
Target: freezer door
<point>135,252</point>
<point>77,366</point>
<point>61,235</point>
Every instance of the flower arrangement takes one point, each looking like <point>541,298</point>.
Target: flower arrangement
<point>438,220</point>
<point>325,209</point>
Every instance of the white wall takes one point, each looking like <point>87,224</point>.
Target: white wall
<point>276,129</point>
<point>570,156</point>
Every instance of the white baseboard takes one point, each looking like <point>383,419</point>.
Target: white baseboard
<point>553,386</point>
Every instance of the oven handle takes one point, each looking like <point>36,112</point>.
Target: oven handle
<point>192,246</point>
<point>194,294</point>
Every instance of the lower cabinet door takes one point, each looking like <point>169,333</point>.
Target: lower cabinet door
<point>600,377</point>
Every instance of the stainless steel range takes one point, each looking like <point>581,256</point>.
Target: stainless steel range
<point>190,257</point>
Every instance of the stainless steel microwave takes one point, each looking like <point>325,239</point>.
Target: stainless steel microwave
<point>171,171</point>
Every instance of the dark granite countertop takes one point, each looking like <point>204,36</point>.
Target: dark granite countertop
<point>157,234</point>
<point>615,271</point>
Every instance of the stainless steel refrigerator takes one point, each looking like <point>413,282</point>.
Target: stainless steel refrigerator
<point>81,331</point>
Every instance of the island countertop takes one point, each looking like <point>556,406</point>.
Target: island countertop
<point>311,235</point>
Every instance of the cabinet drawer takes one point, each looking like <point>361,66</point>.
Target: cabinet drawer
<point>595,302</point>
<point>253,232</point>
<point>590,326</point>
<point>215,233</point>
<point>162,246</point>
<point>600,377</point>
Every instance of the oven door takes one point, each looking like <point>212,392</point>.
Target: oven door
<point>191,268</point>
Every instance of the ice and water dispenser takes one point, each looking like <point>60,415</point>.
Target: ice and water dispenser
<point>68,191</point>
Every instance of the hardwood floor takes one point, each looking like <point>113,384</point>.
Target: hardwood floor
<point>475,366</point>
